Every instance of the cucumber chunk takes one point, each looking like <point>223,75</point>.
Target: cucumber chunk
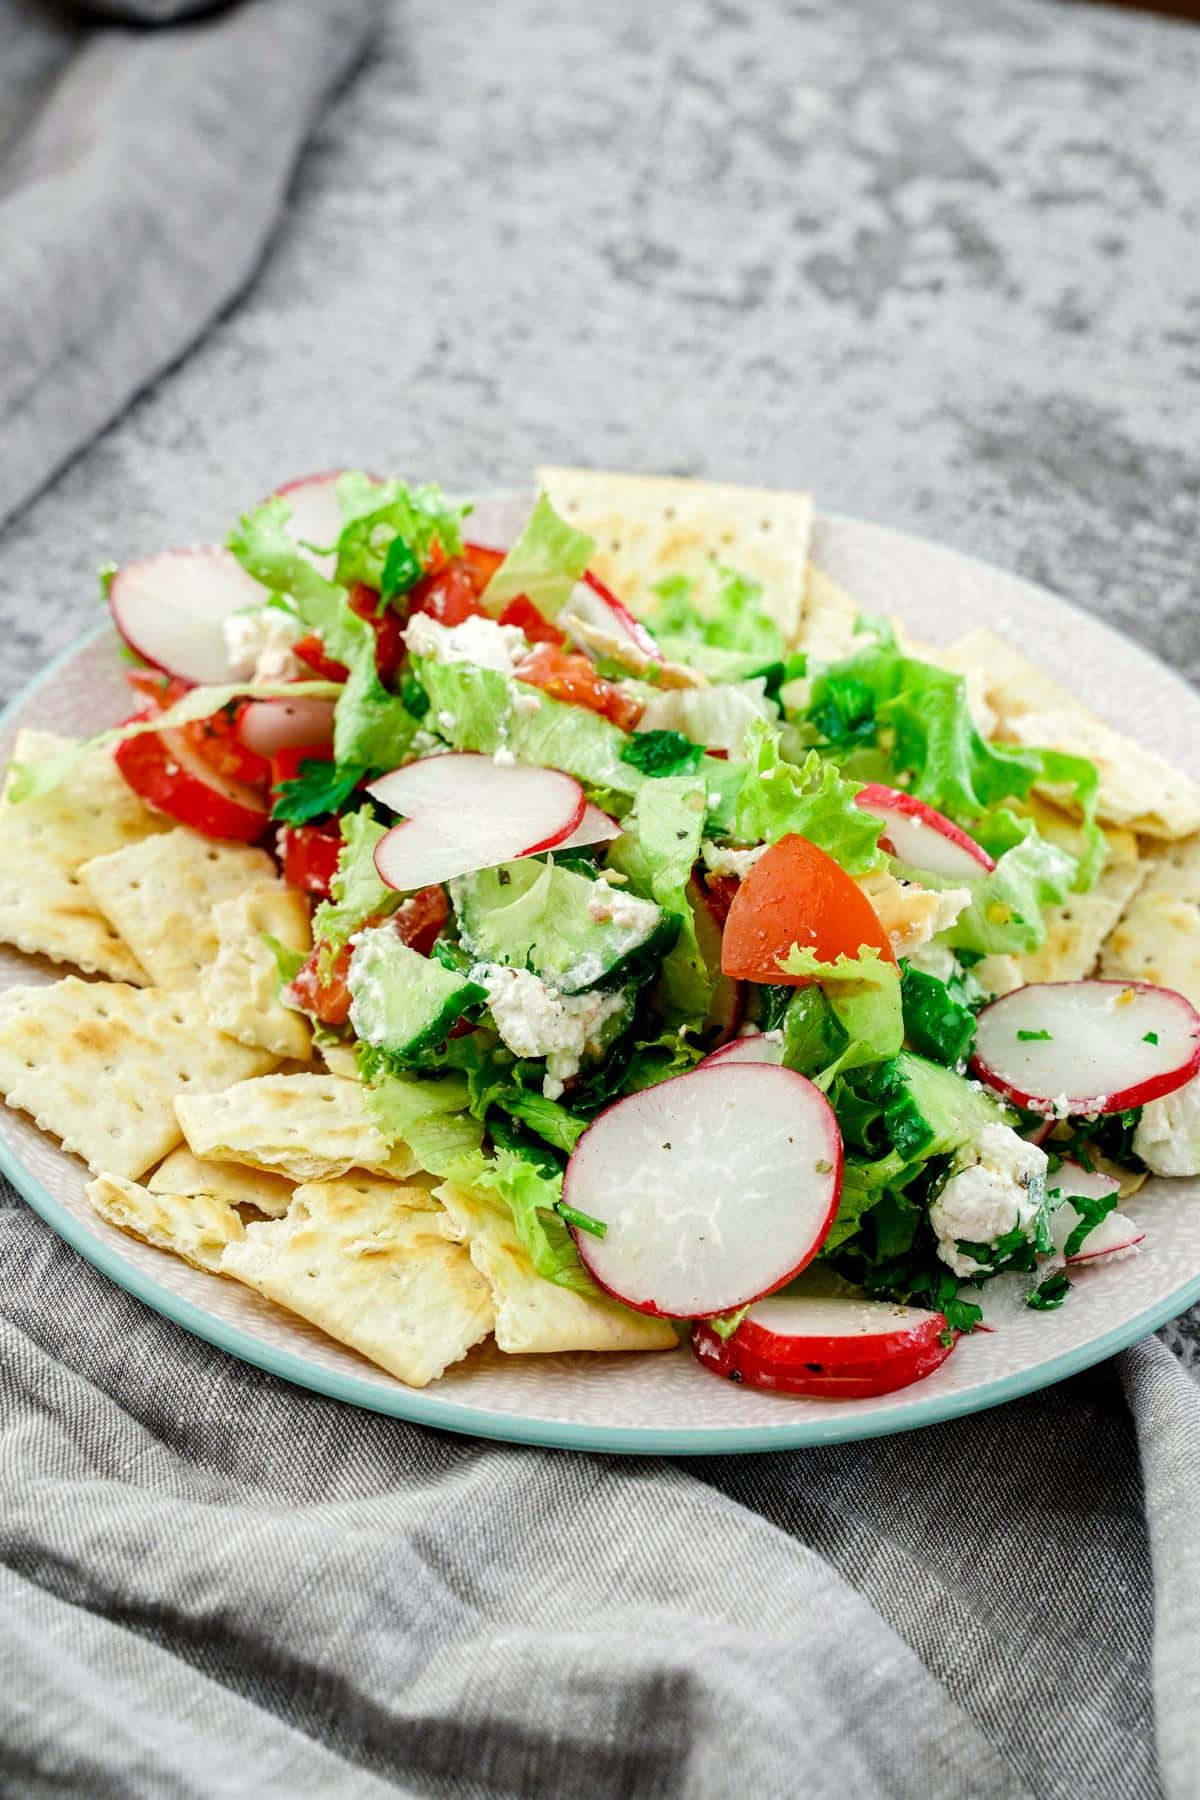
<point>401,1001</point>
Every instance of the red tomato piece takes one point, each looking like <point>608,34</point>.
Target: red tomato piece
<point>215,739</point>
<point>721,892</point>
<point>387,625</point>
<point>796,894</point>
<point>311,650</point>
<point>449,595</point>
<point>166,771</point>
<point>310,857</point>
<point>522,613</point>
<point>285,763</point>
<point>481,563</point>
<point>572,679</point>
<point>416,922</point>
<point>158,689</point>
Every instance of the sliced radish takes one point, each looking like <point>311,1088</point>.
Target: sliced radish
<point>171,610</point>
<point>715,1188</point>
<point>464,812</point>
<point>923,837</point>
<point>1114,1234</point>
<point>271,725</point>
<point>595,604</point>
<point>595,827</point>
<point>756,1047</point>
<point>316,516</point>
<point>830,1349</point>
<point>1060,1047</point>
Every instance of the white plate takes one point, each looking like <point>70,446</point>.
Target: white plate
<point>666,1404</point>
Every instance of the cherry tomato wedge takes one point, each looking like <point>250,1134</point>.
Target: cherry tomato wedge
<point>311,650</point>
<point>796,894</point>
<point>215,739</point>
<point>416,922</point>
<point>285,763</point>
<point>166,771</point>
<point>449,595</point>
<point>522,613</point>
<point>482,562</point>
<point>310,857</point>
<point>387,625</point>
<point>571,678</point>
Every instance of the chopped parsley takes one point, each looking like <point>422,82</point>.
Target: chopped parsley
<point>1035,1037</point>
<point>1150,1037</point>
<point>663,753</point>
<point>318,788</point>
<point>1050,1293</point>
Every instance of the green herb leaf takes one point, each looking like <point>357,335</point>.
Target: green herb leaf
<point>663,753</point>
<point>318,788</point>
<point>1034,1037</point>
<point>1050,1293</point>
<point>582,1221</point>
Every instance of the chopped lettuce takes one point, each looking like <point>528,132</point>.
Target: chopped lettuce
<point>658,851</point>
<point>429,1114</point>
<point>356,891</point>
<point>532,1197</point>
<point>864,993</point>
<point>544,564</point>
<point>810,798</point>
<point>390,530</point>
<point>1005,914</point>
<point>734,621</point>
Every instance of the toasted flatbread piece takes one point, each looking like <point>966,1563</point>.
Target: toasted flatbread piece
<point>311,1127</point>
<point>1158,937</point>
<point>100,1063</point>
<point>1076,929</point>
<point>1138,788</point>
<point>185,1174</point>
<point>339,1059</point>
<point>241,986</point>
<point>44,843</point>
<point>649,526</point>
<point>159,896</point>
<point>534,1315</point>
<point>909,913</point>
<point>196,1227</point>
<point>826,629</point>
<point>367,1261</point>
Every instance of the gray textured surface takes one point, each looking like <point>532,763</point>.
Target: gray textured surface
<point>938,262</point>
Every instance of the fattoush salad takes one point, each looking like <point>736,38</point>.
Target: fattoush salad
<point>584,942</point>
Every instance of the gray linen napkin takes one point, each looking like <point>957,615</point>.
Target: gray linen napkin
<point>145,171</point>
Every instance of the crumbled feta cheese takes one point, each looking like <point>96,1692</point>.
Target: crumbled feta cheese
<point>524,704</point>
<point>1060,1106</point>
<point>477,640</point>
<point>608,905</point>
<point>1168,1133</point>
<point>1000,1191</point>
<point>909,913</point>
<point>504,758</point>
<point>937,960</point>
<point>259,643</point>
<point>720,859</point>
<point>447,720</point>
<point>534,1019</point>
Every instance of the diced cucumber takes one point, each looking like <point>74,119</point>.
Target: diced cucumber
<point>404,1002</point>
<point>541,916</point>
<point>928,1110</point>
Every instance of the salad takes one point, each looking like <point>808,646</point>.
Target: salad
<point>612,940</point>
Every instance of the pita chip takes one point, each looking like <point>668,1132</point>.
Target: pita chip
<point>241,985</point>
<point>186,1175</point>
<point>309,1127</point>
<point>196,1227</point>
<point>1158,935</point>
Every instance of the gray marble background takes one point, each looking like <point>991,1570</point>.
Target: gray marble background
<point>936,260</point>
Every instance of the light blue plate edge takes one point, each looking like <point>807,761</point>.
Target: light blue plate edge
<point>420,1408</point>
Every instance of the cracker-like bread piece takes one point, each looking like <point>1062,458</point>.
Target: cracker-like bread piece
<point>1076,929</point>
<point>1158,936</point>
<point>533,1315</point>
<point>241,986</point>
<point>311,1127</point>
<point>44,908</point>
<point>159,896</point>
<point>1138,788</point>
<point>648,526</point>
<point>196,1227</point>
<point>186,1175</point>
<point>339,1059</point>
<point>100,1064</point>
<point>367,1261</point>
<point>826,628</point>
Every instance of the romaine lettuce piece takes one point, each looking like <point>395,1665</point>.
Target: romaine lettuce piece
<point>864,992</point>
<point>544,564</point>
<point>658,851</point>
<point>429,1114</point>
<point>356,891</point>
<point>810,798</point>
<point>735,620</point>
<point>532,1197</point>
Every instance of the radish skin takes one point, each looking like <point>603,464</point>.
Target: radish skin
<point>464,812</point>
<point>922,837</point>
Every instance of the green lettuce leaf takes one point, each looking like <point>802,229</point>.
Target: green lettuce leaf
<point>33,780</point>
<point>544,564</point>
<point>864,993</point>
<point>389,531</point>
<point>810,798</point>
<point>658,851</point>
<point>734,621</point>
<point>1005,914</point>
<point>532,1197</point>
<point>429,1115</point>
<point>356,892</point>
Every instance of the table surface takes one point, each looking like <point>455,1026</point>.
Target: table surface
<point>936,262</point>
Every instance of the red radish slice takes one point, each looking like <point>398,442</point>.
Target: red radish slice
<point>171,610</point>
<point>1060,1047</point>
<point>828,1349</point>
<point>316,516</point>
<point>758,1047</point>
<point>1114,1234</point>
<point>595,827</point>
<point>923,837</point>
<point>271,725</point>
<point>595,604</point>
<point>716,1187</point>
<point>464,812</point>
<point>163,768</point>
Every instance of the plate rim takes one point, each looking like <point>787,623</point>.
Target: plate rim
<point>420,1406</point>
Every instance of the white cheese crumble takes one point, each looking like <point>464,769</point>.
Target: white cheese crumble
<point>477,640</point>
<point>720,859</point>
<point>909,913</point>
<point>999,1192</point>
<point>534,1019</point>
<point>447,720</point>
<point>504,758</point>
<point>524,704</point>
<point>609,906</point>
<point>1168,1133</point>
<point>259,643</point>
